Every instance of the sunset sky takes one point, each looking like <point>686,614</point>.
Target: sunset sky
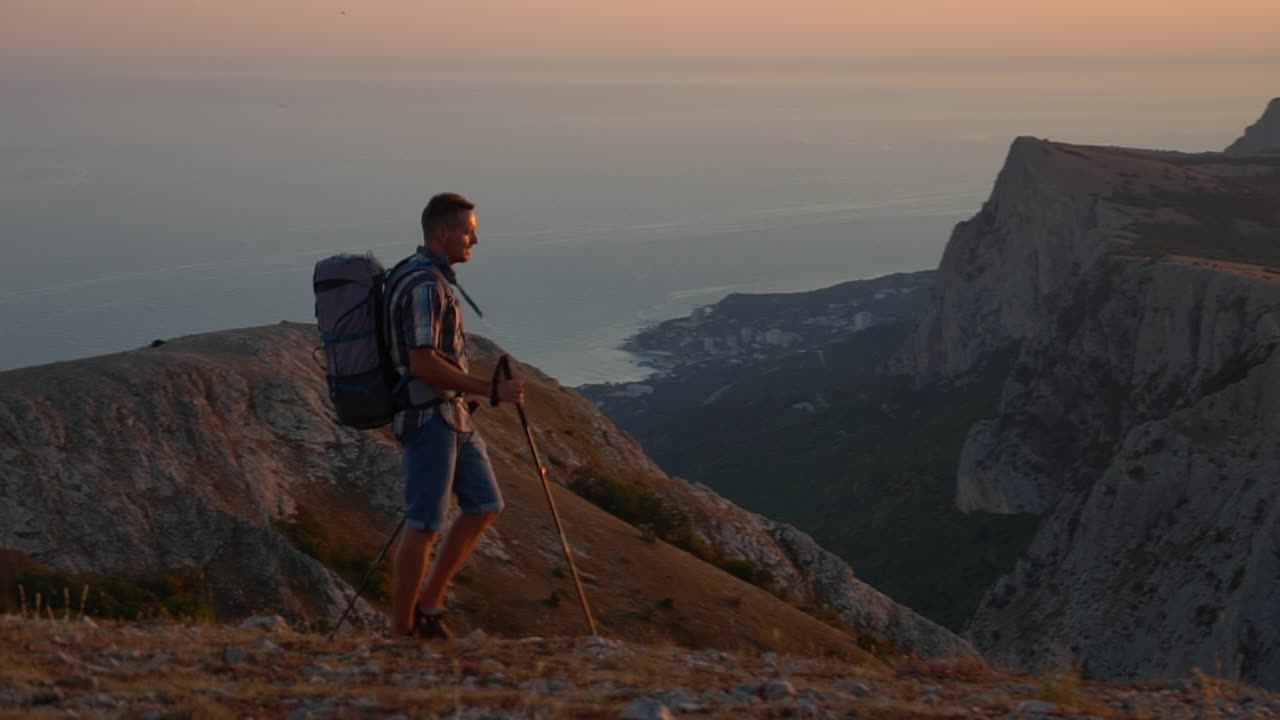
<point>476,29</point>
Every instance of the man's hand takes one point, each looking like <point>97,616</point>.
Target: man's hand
<point>511,391</point>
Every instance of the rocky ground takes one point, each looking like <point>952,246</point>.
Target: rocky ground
<point>262,668</point>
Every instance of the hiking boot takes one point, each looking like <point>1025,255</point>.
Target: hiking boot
<point>429,625</point>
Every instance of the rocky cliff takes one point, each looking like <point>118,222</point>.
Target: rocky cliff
<point>1261,136</point>
<point>1137,291</point>
<point>217,453</point>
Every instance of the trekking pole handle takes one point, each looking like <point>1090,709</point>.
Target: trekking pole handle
<point>502,370</point>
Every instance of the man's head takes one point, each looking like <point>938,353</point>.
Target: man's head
<point>449,227</point>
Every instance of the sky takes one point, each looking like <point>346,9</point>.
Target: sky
<point>479,29</point>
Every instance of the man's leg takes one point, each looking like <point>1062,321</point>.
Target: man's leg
<point>480,502</point>
<point>458,544</point>
<point>406,577</point>
<point>430,456</point>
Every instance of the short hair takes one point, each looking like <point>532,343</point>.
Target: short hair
<point>441,208</point>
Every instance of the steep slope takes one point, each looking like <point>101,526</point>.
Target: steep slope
<point>1138,291</point>
<point>806,431</point>
<point>1262,136</point>
<point>215,454</point>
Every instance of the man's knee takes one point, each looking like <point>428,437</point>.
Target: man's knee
<point>421,534</point>
<point>417,539</point>
<point>487,516</point>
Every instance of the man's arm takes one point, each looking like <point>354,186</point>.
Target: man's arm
<point>426,364</point>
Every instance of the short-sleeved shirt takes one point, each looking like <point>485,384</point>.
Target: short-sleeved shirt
<point>424,313</point>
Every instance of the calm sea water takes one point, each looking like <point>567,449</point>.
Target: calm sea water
<point>142,201</point>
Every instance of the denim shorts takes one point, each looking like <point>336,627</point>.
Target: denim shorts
<point>439,459</point>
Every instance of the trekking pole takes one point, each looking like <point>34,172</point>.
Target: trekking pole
<point>376,562</point>
<point>504,363</point>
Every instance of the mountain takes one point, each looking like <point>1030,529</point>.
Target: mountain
<point>1262,136</point>
<point>1067,449</point>
<point>203,476</point>
<point>1138,292</point>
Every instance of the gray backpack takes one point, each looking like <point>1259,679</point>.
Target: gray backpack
<point>363,383</point>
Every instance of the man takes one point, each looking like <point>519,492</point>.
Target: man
<point>442,450</point>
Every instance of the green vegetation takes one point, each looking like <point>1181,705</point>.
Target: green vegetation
<point>1236,368</point>
<point>181,593</point>
<point>648,511</point>
<point>871,477</point>
<point>351,561</point>
<point>1233,222</point>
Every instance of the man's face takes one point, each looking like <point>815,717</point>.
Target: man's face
<point>460,236</point>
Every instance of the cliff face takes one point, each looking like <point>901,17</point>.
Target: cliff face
<point>1141,339</point>
<point>217,452</point>
<point>1010,269</point>
<point>1138,291</point>
<point>1262,136</point>
<point>1170,558</point>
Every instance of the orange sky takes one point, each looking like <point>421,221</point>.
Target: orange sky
<point>642,28</point>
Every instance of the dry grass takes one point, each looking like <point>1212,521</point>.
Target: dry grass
<point>128,669</point>
<point>967,669</point>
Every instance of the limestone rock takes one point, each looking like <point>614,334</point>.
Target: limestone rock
<point>1261,136</point>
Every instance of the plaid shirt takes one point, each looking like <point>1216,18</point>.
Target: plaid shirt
<point>424,312</point>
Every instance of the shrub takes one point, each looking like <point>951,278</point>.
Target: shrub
<point>318,540</point>
<point>179,593</point>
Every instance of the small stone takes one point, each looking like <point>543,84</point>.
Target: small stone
<point>265,645</point>
<point>100,702</point>
<point>857,689</point>
<point>769,658</point>
<point>551,686</point>
<point>88,622</point>
<point>319,704</point>
<point>806,709</point>
<point>1036,706</point>
<point>269,623</point>
<point>778,689</point>
<point>475,636</point>
<point>365,702</point>
<point>646,710</point>
<point>79,682</point>
<point>674,697</point>
<point>234,655</point>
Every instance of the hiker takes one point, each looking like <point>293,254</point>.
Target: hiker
<point>442,450</point>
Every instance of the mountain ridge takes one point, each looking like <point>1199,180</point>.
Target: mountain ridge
<point>216,452</point>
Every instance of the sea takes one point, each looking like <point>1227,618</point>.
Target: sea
<point>145,199</point>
